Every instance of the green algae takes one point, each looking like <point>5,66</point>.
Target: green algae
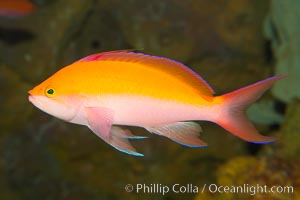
<point>282,29</point>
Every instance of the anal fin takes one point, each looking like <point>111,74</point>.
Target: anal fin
<point>184,133</point>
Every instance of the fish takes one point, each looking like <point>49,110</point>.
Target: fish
<point>112,90</point>
<point>16,8</point>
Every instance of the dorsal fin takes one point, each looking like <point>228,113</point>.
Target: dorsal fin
<point>166,65</point>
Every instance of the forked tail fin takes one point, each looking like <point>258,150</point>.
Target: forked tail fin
<point>232,116</point>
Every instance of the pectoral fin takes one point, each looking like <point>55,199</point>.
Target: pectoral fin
<point>100,122</point>
<point>184,133</point>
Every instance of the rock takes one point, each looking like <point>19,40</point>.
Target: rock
<point>98,33</point>
<point>14,106</point>
<point>250,177</point>
<point>289,132</point>
<point>53,27</point>
<point>263,171</point>
<point>151,27</point>
<point>239,24</point>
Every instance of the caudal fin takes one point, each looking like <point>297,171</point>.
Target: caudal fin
<point>232,116</point>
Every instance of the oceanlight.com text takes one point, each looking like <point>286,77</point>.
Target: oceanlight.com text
<point>248,189</point>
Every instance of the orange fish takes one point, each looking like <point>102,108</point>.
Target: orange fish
<point>16,8</point>
<point>163,96</point>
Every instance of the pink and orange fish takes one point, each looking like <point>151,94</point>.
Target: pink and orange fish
<point>163,96</point>
<point>16,8</point>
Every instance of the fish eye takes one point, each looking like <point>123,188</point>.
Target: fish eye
<point>50,92</point>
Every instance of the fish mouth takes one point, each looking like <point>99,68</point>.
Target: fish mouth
<point>34,100</point>
<point>31,98</point>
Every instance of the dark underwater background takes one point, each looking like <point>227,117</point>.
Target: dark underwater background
<point>230,43</point>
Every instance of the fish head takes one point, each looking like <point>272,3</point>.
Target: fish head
<point>50,98</point>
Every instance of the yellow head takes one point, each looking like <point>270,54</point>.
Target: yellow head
<point>51,96</point>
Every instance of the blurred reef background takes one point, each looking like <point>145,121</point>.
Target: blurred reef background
<point>231,43</point>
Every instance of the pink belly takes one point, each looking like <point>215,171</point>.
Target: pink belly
<point>145,111</point>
